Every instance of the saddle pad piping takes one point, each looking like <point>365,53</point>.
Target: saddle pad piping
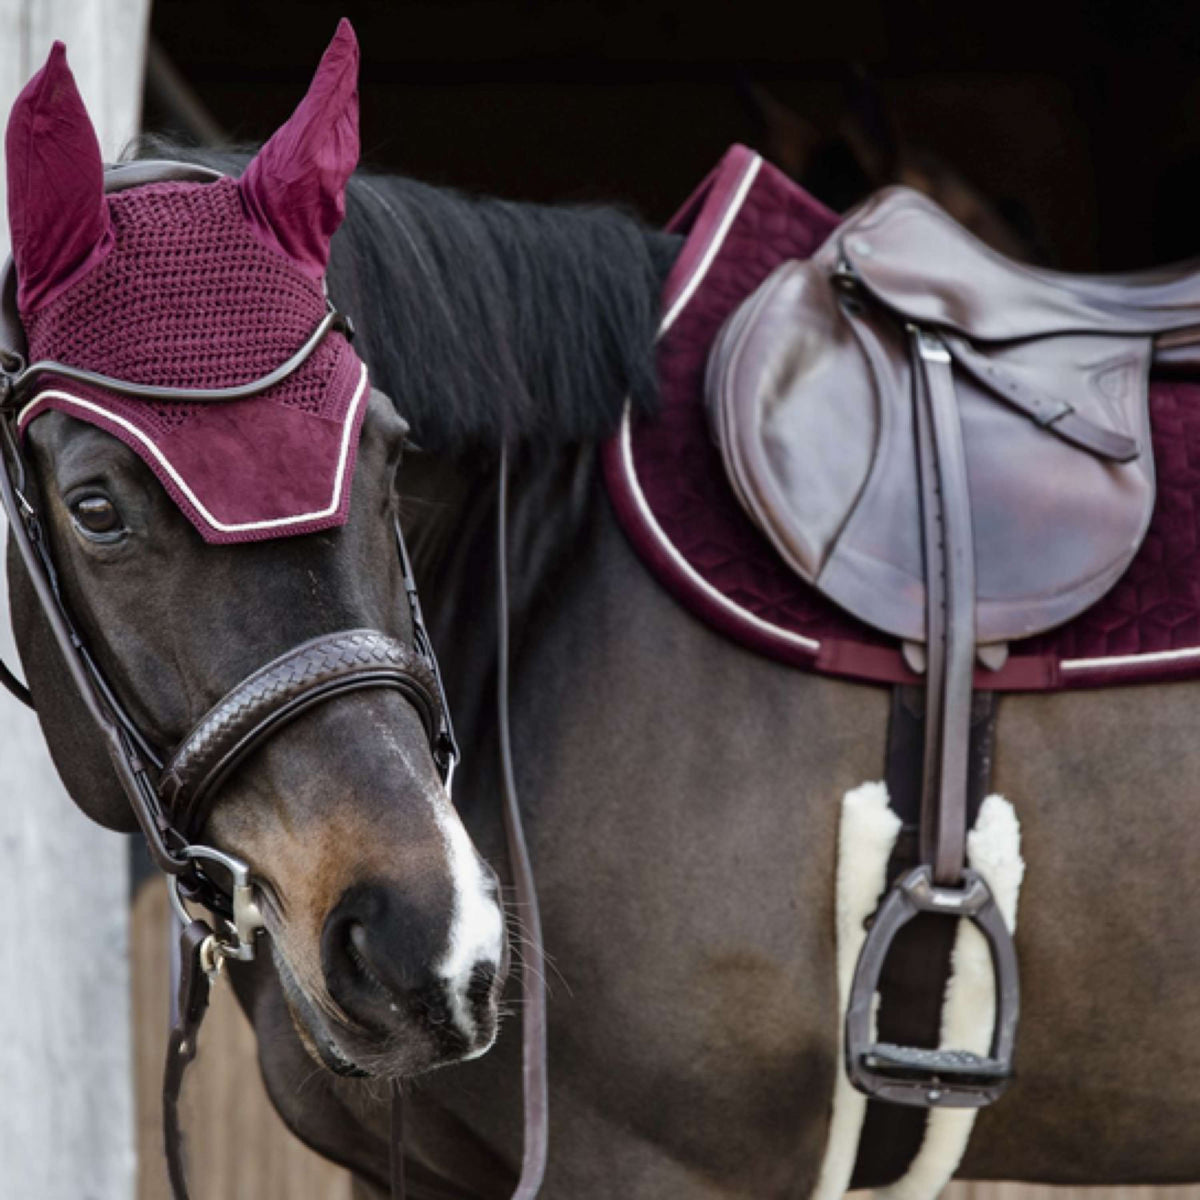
<point>689,586</point>
<point>627,495</point>
<point>1129,661</point>
<point>688,290</point>
<point>174,481</point>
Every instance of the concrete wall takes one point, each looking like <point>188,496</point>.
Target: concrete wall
<point>66,1088</point>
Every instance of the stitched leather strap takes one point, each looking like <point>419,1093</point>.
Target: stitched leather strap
<point>950,605</point>
<point>194,989</point>
<point>534,1074</point>
<point>1048,411</point>
<point>278,693</point>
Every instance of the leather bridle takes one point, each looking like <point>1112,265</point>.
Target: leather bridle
<point>171,794</point>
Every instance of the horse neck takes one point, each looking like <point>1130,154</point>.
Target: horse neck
<point>451,514</point>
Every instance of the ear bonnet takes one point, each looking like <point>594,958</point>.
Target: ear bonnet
<point>193,284</point>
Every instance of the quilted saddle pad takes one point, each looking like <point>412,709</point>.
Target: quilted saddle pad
<point>670,492</point>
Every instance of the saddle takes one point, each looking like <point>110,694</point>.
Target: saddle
<point>954,448</point>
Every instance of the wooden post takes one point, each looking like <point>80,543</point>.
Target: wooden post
<point>66,1078</point>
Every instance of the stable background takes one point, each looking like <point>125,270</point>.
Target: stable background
<point>1085,114</point>
<point>1075,125</point>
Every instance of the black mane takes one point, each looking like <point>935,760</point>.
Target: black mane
<point>489,321</point>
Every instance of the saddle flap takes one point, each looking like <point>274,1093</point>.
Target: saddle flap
<point>810,395</point>
<point>774,369</point>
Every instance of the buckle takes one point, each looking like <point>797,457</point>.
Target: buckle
<point>844,277</point>
<point>914,1075</point>
<point>930,347</point>
<point>234,938</point>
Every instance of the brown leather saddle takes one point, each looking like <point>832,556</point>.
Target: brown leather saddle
<point>955,448</point>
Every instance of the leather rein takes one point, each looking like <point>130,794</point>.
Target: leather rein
<point>171,795</point>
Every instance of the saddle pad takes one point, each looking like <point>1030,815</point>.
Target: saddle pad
<point>670,492</point>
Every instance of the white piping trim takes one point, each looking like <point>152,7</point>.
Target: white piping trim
<point>181,483</point>
<point>735,205</point>
<point>1129,660</point>
<point>626,443</point>
<point>718,598</point>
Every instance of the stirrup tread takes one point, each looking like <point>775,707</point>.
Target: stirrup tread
<point>889,1059</point>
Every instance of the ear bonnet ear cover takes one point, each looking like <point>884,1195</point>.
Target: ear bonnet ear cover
<point>56,211</point>
<point>294,190</point>
<point>197,285</point>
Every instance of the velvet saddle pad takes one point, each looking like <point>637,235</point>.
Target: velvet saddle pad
<point>667,484</point>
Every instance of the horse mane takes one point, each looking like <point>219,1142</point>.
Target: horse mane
<point>489,321</point>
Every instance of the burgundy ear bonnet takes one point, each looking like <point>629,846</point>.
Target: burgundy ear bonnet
<point>197,285</point>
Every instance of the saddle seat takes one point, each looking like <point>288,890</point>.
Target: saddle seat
<point>811,388</point>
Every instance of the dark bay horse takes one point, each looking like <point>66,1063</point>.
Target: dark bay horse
<point>681,794</point>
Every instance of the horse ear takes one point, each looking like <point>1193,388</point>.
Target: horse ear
<point>57,215</point>
<point>294,189</point>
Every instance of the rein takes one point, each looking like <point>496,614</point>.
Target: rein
<point>171,795</point>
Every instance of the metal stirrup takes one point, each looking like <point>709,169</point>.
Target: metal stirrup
<point>942,884</point>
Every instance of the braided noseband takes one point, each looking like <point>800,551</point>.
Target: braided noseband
<point>276,695</point>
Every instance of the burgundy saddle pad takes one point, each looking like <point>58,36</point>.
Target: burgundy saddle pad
<point>669,489</point>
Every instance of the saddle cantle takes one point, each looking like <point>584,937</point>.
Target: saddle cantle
<point>811,385</point>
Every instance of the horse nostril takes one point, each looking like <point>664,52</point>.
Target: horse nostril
<point>358,953</point>
<point>437,1014</point>
<point>379,951</point>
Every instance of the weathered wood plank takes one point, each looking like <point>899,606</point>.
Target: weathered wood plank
<point>238,1149</point>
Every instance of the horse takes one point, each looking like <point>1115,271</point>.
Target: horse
<point>680,792</point>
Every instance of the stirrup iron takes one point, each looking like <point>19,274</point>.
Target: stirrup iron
<point>913,1075</point>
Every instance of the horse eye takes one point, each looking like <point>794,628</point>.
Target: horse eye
<point>96,515</point>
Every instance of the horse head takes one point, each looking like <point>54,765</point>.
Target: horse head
<point>383,920</point>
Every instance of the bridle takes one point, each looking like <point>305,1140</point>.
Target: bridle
<point>171,794</point>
